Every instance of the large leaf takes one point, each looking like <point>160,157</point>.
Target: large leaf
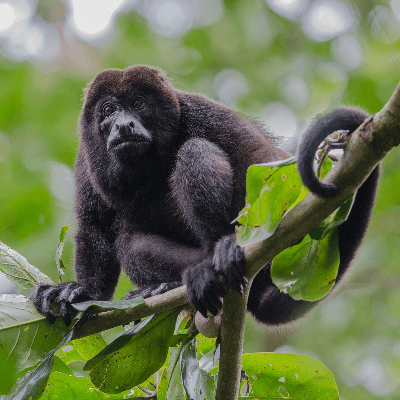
<point>134,356</point>
<point>271,190</point>
<point>26,335</point>
<point>308,270</point>
<point>287,376</point>
<point>35,381</point>
<point>18,270</point>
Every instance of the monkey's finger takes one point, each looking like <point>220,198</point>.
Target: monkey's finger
<point>48,297</point>
<point>211,297</point>
<point>65,313</point>
<point>208,303</point>
<point>200,308</point>
<point>236,285</point>
<point>234,280</point>
<point>240,260</point>
<point>37,293</point>
<point>217,304</point>
<point>77,295</point>
<point>194,300</point>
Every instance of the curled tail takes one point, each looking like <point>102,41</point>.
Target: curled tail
<point>342,119</point>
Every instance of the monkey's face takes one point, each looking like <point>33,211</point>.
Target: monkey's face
<point>129,116</point>
<point>125,126</point>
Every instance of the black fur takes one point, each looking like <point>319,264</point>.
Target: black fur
<point>159,176</point>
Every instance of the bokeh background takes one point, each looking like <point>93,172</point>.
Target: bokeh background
<point>281,61</point>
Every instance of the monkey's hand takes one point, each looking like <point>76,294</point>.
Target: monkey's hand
<point>229,263</point>
<point>64,293</point>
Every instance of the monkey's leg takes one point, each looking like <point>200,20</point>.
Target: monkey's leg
<point>151,260</point>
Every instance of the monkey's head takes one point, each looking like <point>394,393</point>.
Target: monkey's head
<point>129,121</point>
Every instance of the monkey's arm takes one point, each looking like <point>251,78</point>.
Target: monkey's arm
<point>96,265</point>
<point>157,264</point>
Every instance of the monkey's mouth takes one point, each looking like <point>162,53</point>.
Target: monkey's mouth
<point>128,141</point>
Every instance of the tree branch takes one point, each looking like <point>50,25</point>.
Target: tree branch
<point>368,145</point>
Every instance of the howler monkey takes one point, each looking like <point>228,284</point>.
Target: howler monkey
<point>160,175</point>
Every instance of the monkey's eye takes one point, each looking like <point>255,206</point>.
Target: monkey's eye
<point>138,103</point>
<point>108,110</point>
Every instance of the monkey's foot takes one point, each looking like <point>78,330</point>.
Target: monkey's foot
<point>204,288</point>
<point>153,290</point>
<point>229,263</point>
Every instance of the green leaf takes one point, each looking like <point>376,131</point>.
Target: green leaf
<point>33,382</point>
<point>89,346</point>
<point>308,270</point>
<point>25,334</point>
<point>134,356</point>
<point>271,190</point>
<point>272,375</point>
<point>205,344</point>
<point>69,354</point>
<point>170,385</point>
<point>18,270</point>
<point>62,386</point>
<point>61,366</point>
<point>178,339</point>
<point>7,370</point>
<point>334,220</point>
<point>326,167</point>
<point>60,247</point>
<point>198,384</point>
<point>118,344</point>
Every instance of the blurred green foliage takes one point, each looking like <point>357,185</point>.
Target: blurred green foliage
<point>356,332</point>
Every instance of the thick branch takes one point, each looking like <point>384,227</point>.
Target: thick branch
<point>111,319</point>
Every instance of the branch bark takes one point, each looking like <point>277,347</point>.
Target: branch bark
<point>368,145</point>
